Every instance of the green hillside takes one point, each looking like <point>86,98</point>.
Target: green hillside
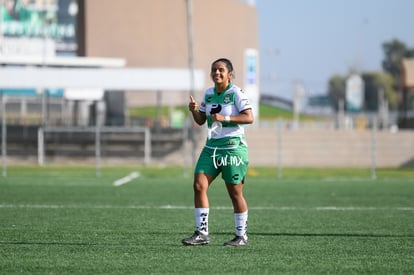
<point>151,112</point>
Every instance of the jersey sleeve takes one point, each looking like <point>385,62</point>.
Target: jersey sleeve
<point>202,107</point>
<point>242,101</point>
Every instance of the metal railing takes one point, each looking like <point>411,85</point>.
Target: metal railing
<point>97,131</point>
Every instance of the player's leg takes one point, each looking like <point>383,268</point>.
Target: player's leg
<point>201,210</point>
<point>237,198</point>
<point>240,214</point>
<point>203,177</point>
<point>200,186</point>
<point>234,176</point>
<point>201,203</point>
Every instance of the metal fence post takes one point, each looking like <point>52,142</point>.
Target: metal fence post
<point>147,146</point>
<point>40,147</point>
<point>374,148</point>
<point>279,149</point>
<point>98,149</point>
<point>186,129</point>
<point>4,136</point>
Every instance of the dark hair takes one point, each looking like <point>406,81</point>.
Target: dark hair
<point>226,61</point>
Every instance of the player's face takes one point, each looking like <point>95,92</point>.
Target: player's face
<point>220,74</point>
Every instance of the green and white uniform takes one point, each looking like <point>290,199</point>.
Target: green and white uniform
<point>226,150</point>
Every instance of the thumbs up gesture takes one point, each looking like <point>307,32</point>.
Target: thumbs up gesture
<point>193,105</point>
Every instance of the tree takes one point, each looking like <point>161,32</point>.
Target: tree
<point>336,90</point>
<point>388,81</point>
<point>376,82</point>
<point>394,52</point>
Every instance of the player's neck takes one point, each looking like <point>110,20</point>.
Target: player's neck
<point>222,87</point>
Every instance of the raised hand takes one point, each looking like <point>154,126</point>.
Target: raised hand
<point>193,105</point>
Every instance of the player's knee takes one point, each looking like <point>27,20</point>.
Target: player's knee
<point>199,186</point>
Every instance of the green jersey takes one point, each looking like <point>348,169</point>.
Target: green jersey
<point>228,103</point>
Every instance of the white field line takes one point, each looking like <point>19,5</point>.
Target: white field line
<point>126,179</point>
<point>175,207</point>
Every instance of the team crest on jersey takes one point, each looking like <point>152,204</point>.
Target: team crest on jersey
<point>227,99</point>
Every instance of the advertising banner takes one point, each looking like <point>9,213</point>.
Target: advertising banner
<point>38,27</point>
<point>355,92</point>
<point>251,82</point>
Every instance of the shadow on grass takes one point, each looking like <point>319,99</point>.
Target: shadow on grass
<point>178,243</point>
<point>46,243</point>
<point>345,235</point>
<point>353,235</point>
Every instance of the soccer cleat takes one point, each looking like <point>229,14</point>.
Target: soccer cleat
<point>196,239</point>
<point>237,241</point>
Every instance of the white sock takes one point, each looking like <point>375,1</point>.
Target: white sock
<point>201,217</point>
<point>240,224</point>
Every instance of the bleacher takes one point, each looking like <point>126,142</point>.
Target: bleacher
<point>22,141</point>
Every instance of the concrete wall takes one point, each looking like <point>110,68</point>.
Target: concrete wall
<point>330,147</point>
<point>299,148</point>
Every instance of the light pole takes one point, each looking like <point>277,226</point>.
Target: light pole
<point>189,6</point>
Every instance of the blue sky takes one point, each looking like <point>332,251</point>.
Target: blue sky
<point>308,41</point>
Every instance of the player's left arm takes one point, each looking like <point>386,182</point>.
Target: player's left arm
<point>244,117</point>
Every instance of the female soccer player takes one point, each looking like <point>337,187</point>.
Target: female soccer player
<point>226,108</point>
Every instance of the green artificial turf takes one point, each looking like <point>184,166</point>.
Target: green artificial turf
<point>65,220</point>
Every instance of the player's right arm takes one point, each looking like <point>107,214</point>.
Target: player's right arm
<point>199,117</point>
